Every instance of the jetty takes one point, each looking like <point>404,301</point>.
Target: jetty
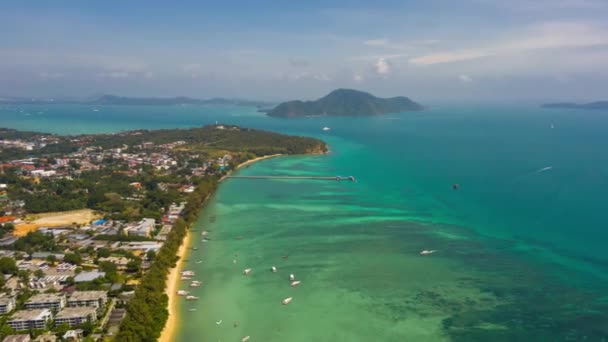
<point>332,178</point>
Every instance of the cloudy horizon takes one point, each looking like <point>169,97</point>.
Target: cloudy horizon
<point>440,50</point>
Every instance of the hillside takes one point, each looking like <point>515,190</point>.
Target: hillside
<point>345,102</point>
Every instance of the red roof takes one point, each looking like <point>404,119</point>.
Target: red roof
<point>4,219</point>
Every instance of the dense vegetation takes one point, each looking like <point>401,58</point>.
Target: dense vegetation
<point>345,102</point>
<point>147,311</point>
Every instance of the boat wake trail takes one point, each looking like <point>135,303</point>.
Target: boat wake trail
<point>544,169</point>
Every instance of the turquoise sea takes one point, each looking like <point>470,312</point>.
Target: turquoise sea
<point>520,248</point>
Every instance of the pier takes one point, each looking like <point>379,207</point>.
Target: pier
<point>332,178</point>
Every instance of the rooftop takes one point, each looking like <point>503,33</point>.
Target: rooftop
<point>17,338</point>
<point>26,315</point>
<point>89,276</point>
<point>76,312</point>
<point>45,298</point>
<point>87,295</point>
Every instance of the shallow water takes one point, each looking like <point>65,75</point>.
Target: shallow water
<point>520,253</point>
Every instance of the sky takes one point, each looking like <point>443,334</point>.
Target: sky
<point>433,50</point>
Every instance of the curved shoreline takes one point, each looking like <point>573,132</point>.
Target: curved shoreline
<point>168,332</point>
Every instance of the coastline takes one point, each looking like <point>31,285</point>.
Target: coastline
<point>173,279</point>
<point>171,290</point>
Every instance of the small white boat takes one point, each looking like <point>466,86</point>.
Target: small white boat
<point>191,297</point>
<point>245,339</point>
<point>187,273</point>
<point>204,233</point>
<point>195,284</point>
<point>326,128</point>
<point>427,252</point>
<point>552,126</point>
<point>218,322</point>
<point>185,278</point>
<point>198,261</point>
<point>192,309</point>
<point>247,271</point>
<point>292,277</point>
<point>273,269</point>
<point>287,300</point>
<point>96,110</point>
<point>295,283</point>
<point>182,293</point>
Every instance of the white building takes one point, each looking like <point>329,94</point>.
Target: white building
<point>95,299</point>
<point>76,316</point>
<point>30,319</point>
<point>7,304</point>
<point>143,228</point>
<point>51,301</point>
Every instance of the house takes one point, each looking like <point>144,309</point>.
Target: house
<point>120,262</point>
<point>46,338</point>
<point>30,319</point>
<point>7,304</point>
<point>95,299</point>
<point>143,228</point>
<point>17,338</point>
<point>76,316</point>
<point>53,301</point>
<point>73,335</point>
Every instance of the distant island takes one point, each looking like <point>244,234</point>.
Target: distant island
<point>137,101</point>
<point>571,105</point>
<point>345,102</point>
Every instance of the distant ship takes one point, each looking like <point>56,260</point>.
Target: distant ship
<point>326,128</point>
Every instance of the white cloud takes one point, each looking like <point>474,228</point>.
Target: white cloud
<point>465,78</point>
<point>382,66</point>
<point>549,35</point>
<point>358,78</point>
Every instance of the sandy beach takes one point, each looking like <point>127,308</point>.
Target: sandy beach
<point>172,285</point>
<point>174,275</point>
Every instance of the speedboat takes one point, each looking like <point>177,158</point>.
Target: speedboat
<point>295,283</point>
<point>287,300</point>
<point>427,252</point>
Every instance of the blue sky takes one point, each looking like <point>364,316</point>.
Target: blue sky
<point>432,50</point>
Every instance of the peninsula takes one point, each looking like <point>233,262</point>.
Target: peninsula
<point>598,105</point>
<point>116,207</point>
<point>345,102</point>
<point>136,101</point>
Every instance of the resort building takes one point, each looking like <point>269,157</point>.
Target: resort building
<point>7,304</point>
<point>51,301</point>
<point>143,228</point>
<point>94,299</point>
<point>76,316</point>
<point>88,276</point>
<point>30,319</point>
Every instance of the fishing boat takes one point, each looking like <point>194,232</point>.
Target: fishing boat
<point>287,300</point>
<point>247,271</point>
<point>191,297</point>
<point>427,252</point>
<point>295,283</point>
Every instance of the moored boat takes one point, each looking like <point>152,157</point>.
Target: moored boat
<point>295,283</point>
<point>287,300</point>
<point>247,271</point>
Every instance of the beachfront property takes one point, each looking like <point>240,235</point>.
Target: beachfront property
<point>164,231</point>
<point>7,304</point>
<point>51,301</point>
<point>30,319</point>
<point>142,246</point>
<point>142,228</point>
<point>76,316</point>
<point>94,299</point>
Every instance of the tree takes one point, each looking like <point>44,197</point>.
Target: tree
<point>151,255</point>
<point>104,252</point>
<point>39,274</point>
<point>8,265</point>
<point>51,259</point>
<point>134,266</point>
<point>73,258</point>
<point>62,328</point>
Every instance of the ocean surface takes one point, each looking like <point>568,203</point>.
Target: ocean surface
<point>520,247</point>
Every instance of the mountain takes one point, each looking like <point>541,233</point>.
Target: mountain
<point>569,105</point>
<point>171,101</point>
<point>345,102</point>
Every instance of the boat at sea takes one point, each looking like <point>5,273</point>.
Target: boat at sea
<point>182,292</point>
<point>196,283</point>
<point>191,297</point>
<point>326,128</point>
<point>185,278</point>
<point>273,269</point>
<point>427,252</point>
<point>287,300</point>
<point>245,339</point>
<point>292,277</point>
<point>187,273</point>
<point>295,283</point>
<point>247,271</point>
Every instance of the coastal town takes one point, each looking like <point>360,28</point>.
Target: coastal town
<point>85,220</point>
